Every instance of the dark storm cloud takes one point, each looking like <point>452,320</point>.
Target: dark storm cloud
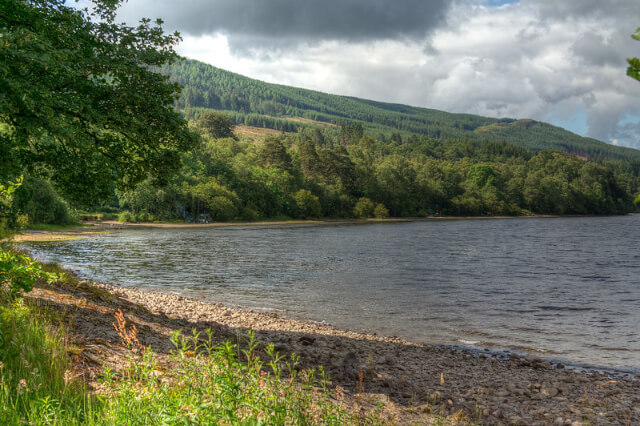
<point>293,21</point>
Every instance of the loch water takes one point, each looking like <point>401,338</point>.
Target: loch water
<point>563,288</point>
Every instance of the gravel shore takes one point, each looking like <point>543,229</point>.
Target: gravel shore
<point>415,379</point>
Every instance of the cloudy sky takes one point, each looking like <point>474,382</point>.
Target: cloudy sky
<point>557,61</point>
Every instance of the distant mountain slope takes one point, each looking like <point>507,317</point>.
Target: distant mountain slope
<point>261,104</point>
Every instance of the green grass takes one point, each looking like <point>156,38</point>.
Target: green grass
<point>208,383</point>
<point>220,383</point>
<point>33,367</point>
<point>205,383</point>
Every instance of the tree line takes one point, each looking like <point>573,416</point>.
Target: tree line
<point>303,175</point>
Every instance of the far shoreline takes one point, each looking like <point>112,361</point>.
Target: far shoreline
<point>92,227</point>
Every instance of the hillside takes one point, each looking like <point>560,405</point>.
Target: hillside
<point>254,103</point>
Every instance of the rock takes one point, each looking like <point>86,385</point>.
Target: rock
<point>307,340</point>
<point>351,365</point>
<point>281,348</point>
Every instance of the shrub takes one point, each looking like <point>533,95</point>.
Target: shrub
<point>126,216</point>
<point>21,272</point>
<point>144,217</point>
<point>381,212</point>
<point>364,208</point>
<point>39,200</point>
<point>222,209</point>
<point>250,214</point>
<point>308,204</point>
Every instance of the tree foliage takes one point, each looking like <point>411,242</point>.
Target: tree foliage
<point>291,176</point>
<point>634,63</point>
<point>216,125</point>
<point>80,102</point>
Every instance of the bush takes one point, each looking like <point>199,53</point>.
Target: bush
<point>37,199</point>
<point>308,204</point>
<point>126,216</point>
<point>144,217</point>
<point>20,272</point>
<point>108,216</point>
<point>250,214</point>
<point>381,212</point>
<point>222,209</point>
<point>363,208</point>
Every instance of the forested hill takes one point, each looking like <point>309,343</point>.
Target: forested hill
<point>255,103</point>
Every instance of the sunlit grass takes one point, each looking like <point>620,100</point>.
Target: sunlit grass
<point>206,383</point>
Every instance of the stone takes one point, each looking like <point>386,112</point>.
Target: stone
<point>280,348</point>
<point>307,340</point>
<point>549,392</point>
<point>351,365</point>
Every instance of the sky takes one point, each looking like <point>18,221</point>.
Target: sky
<point>562,62</point>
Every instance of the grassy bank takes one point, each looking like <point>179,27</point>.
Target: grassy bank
<point>42,381</point>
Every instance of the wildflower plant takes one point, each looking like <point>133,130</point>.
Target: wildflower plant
<point>221,383</point>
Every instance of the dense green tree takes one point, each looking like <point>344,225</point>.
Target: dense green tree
<point>309,161</point>
<point>364,208</point>
<point>274,154</point>
<point>381,212</point>
<point>337,168</point>
<point>396,181</point>
<point>419,177</point>
<point>481,175</point>
<point>80,100</point>
<point>215,199</point>
<point>216,125</point>
<point>36,199</point>
<point>308,204</point>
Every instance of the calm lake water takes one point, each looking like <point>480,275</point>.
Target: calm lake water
<point>566,288</point>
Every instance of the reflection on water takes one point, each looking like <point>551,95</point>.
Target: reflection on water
<point>565,287</point>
